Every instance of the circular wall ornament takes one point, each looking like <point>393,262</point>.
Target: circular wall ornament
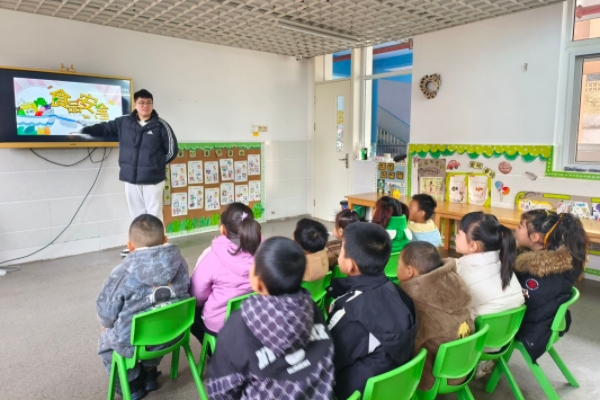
<point>430,84</point>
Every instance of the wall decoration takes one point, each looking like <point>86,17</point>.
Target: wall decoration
<point>207,153</point>
<point>380,186</point>
<point>241,153</point>
<point>180,154</point>
<point>226,193</point>
<point>178,175</point>
<point>212,199</point>
<point>196,197</point>
<point>456,188</point>
<point>399,175</point>
<point>219,152</point>
<point>381,166</point>
<point>505,167</point>
<point>192,153</point>
<point>475,165</point>
<point>229,153</point>
<point>383,174</point>
<point>195,172</point>
<point>430,84</point>
<point>167,189</point>
<point>241,194</point>
<point>241,171</point>
<point>211,172</point>
<point>254,188</point>
<point>253,164</point>
<point>453,164</point>
<point>479,189</point>
<point>390,166</point>
<point>488,172</point>
<point>226,169</point>
<point>502,190</point>
<point>180,204</point>
<point>432,185</point>
<point>531,175</point>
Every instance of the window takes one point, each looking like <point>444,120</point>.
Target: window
<point>342,62</point>
<point>587,20</point>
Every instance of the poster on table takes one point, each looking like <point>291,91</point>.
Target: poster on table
<point>457,188</point>
<point>195,172</point>
<point>196,197</point>
<point>212,199</point>
<point>241,171</point>
<point>178,175</point>
<point>478,189</point>
<point>211,172</point>
<point>226,169</point>
<point>431,185</point>
<point>254,188</point>
<point>241,194</point>
<point>179,204</point>
<point>253,164</point>
<point>226,193</point>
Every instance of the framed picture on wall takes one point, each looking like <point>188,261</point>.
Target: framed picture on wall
<point>383,175</point>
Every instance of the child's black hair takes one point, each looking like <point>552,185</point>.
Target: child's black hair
<point>147,231</point>
<point>426,204</point>
<point>311,235</point>
<point>242,229</point>
<point>423,256</point>
<point>280,263</point>
<point>345,218</point>
<point>564,229</point>
<point>369,246</point>
<point>485,229</point>
<point>142,94</point>
<point>386,208</point>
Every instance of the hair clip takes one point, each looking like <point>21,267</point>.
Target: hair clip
<point>244,215</point>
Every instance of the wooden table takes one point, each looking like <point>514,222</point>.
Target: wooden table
<point>445,212</point>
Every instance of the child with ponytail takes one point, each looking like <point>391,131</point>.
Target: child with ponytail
<point>393,215</point>
<point>222,270</point>
<point>342,220</point>
<point>489,251</point>
<point>554,255</point>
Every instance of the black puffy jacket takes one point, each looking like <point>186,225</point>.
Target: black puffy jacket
<point>144,151</point>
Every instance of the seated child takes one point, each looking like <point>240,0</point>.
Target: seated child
<point>489,252</point>
<point>312,236</point>
<point>441,301</point>
<point>558,245</point>
<point>393,215</point>
<point>342,220</point>
<point>277,346</point>
<point>422,207</point>
<point>154,272</point>
<point>222,270</point>
<point>373,324</point>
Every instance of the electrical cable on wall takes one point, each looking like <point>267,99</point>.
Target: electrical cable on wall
<point>105,156</point>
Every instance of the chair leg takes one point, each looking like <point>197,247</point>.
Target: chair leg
<point>123,381</point>
<point>175,364</point>
<point>195,373</point>
<point>112,380</point>
<point>497,372</point>
<point>563,368</point>
<point>540,376</point>
<point>465,394</point>
<point>511,380</point>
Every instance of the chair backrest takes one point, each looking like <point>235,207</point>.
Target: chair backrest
<point>236,303</point>
<point>391,268</point>
<point>398,384</point>
<point>503,326</point>
<point>459,358</point>
<point>337,273</point>
<point>319,287</point>
<point>560,323</point>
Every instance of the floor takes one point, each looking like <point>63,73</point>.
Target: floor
<point>49,333</point>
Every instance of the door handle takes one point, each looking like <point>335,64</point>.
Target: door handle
<point>345,159</point>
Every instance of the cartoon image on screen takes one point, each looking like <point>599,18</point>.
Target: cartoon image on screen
<point>51,107</point>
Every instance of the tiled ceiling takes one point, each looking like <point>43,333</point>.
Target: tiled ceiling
<point>252,24</point>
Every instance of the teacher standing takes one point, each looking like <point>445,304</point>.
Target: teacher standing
<point>146,145</point>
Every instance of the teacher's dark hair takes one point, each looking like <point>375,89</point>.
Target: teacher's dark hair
<point>142,94</point>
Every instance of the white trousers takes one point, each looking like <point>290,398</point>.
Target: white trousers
<point>145,199</point>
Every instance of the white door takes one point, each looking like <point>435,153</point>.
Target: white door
<point>333,147</point>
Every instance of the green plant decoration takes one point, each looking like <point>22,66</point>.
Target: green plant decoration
<point>258,210</point>
<point>215,220</point>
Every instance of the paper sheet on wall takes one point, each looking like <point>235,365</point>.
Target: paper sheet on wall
<point>212,200</point>
<point>241,171</point>
<point>226,169</point>
<point>431,185</point>
<point>254,188</point>
<point>195,172</point>
<point>179,204</point>
<point>196,197</point>
<point>211,172</point>
<point>178,175</point>
<point>253,164</point>
<point>457,189</point>
<point>226,193</point>
<point>241,194</point>
<point>478,189</point>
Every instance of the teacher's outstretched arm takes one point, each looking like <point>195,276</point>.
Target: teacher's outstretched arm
<point>103,129</point>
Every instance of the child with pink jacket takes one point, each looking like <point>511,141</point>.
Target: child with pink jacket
<point>222,270</point>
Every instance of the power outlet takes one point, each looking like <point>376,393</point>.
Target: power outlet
<point>262,128</point>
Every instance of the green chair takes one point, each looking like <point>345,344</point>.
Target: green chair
<point>503,328</point>
<point>455,360</point>
<point>318,289</point>
<point>391,268</point>
<point>558,325</point>
<point>209,343</point>
<point>337,273</point>
<point>152,328</point>
<point>355,396</point>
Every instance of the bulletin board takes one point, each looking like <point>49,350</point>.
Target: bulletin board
<point>206,177</point>
<point>391,178</point>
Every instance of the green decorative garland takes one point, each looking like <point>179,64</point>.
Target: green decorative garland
<point>200,146</point>
<point>528,153</point>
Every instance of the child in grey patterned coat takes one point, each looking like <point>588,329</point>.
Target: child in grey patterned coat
<point>153,273</point>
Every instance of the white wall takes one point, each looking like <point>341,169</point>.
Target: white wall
<point>486,95</point>
<point>206,92</point>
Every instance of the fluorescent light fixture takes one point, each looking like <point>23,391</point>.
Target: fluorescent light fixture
<point>309,30</point>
